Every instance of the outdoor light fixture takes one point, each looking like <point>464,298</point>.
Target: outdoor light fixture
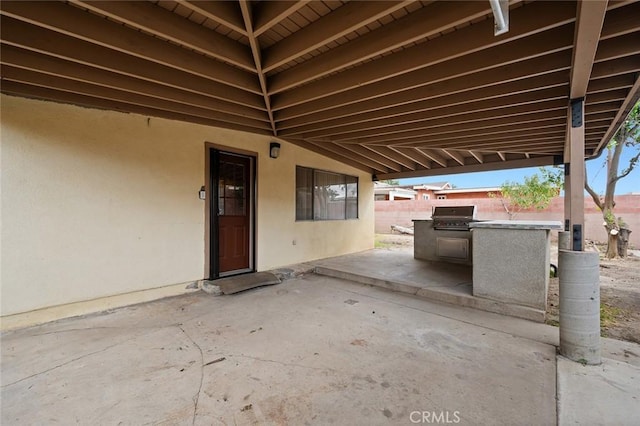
<point>274,150</point>
<point>500,10</point>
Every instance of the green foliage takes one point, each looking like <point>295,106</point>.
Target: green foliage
<point>391,181</point>
<point>629,135</point>
<point>537,191</point>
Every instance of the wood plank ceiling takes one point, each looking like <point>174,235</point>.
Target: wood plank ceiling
<point>396,88</point>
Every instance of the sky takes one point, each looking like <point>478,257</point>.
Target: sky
<point>596,174</point>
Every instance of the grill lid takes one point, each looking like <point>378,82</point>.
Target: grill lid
<point>462,212</point>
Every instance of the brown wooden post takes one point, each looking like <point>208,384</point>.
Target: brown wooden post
<point>574,175</point>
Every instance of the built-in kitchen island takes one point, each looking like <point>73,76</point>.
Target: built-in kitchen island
<point>510,259</point>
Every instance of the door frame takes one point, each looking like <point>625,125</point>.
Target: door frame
<point>211,264</point>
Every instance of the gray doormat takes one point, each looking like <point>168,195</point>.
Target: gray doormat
<point>239,283</point>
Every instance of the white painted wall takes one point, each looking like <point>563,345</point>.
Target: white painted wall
<point>98,203</point>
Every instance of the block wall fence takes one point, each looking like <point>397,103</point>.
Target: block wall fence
<point>401,212</point>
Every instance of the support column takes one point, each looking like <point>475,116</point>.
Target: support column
<point>578,270</point>
<point>574,175</point>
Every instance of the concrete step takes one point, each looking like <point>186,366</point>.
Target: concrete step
<point>244,282</point>
<point>459,296</point>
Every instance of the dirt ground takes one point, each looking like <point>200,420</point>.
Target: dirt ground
<point>619,289</point>
<point>619,299</point>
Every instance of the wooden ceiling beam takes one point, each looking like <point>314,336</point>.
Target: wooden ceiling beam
<point>626,65</point>
<point>427,100</point>
<point>459,158</point>
<point>434,156</point>
<point>372,155</point>
<point>619,21</point>
<point>225,13</point>
<point>35,92</point>
<point>415,155</point>
<point>482,65</point>
<point>17,75</point>
<point>58,67</point>
<point>342,21</point>
<point>514,131</point>
<point>426,22</point>
<point>137,58</point>
<point>167,25</point>
<point>270,13</point>
<point>247,16</point>
<point>619,47</point>
<point>611,83</point>
<point>613,106</point>
<point>332,155</point>
<point>343,152</point>
<point>478,156</point>
<point>544,160</point>
<point>542,53</point>
<point>531,18</point>
<point>510,58</point>
<point>452,119</point>
<point>394,156</point>
<point>44,41</point>
<point>621,114</point>
<point>589,21</point>
<point>459,112</point>
<point>606,96</point>
<point>472,144</point>
<point>595,118</point>
<point>525,123</point>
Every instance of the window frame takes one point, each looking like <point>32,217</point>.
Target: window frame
<point>346,181</point>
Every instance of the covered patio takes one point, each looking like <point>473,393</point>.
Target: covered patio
<point>113,113</point>
<point>437,281</point>
<point>312,350</point>
<point>395,88</point>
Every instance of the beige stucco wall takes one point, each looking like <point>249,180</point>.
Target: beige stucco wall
<point>98,203</point>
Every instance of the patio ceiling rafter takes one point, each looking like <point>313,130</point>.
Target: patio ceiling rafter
<point>247,17</point>
<point>190,93</point>
<point>395,88</point>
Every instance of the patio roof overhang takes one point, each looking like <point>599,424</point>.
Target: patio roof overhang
<point>396,88</point>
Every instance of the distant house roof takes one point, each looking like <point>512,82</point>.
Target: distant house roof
<point>465,190</point>
<point>397,191</point>
<point>434,186</point>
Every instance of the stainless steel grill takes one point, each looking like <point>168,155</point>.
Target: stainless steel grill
<point>455,218</point>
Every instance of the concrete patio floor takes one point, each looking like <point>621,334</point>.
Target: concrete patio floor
<point>312,350</point>
<point>439,281</point>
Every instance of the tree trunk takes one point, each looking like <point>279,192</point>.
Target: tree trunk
<point>612,246</point>
<point>623,242</point>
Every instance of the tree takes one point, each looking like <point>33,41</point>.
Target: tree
<point>627,137</point>
<point>537,191</point>
<point>391,181</point>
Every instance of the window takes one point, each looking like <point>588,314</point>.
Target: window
<point>442,197</point>
<point>425,196</point>
<point>324,195</point>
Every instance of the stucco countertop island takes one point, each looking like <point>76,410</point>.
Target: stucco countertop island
<point>511,260</point>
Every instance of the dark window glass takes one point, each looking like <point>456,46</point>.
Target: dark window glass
<point>322,195</point>
<point>304,193</point>
<point>231,190</point>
